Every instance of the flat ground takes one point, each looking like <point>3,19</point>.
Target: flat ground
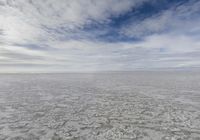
<point>100,106</point>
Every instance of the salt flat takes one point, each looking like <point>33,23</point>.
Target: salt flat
<point>100,106</point>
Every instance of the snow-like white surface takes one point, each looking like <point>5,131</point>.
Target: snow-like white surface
<point>101,106</point>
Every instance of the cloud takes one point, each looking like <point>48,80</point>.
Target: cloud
<point>177,19</point>
<point>74,35</point>
<point>27,21</point>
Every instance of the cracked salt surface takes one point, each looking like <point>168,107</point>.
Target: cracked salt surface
<point>100,106</point>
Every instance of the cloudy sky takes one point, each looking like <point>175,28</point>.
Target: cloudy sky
<point>95,35</point>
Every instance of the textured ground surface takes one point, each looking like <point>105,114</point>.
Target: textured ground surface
<point>112,106</point>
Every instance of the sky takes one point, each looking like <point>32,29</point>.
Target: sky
<point>99,35</point>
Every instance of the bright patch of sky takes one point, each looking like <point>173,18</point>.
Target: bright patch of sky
<point>95,35</point>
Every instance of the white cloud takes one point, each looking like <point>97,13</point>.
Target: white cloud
<point>172,42</point>
<point>94,55</point>
<point>177,19</point>
<point>24,21</point>
<point>166,42</point>
<point>68,12</point>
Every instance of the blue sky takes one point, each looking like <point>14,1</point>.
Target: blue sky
<point>95,35</point>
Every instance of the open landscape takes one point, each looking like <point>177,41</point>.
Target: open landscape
<point>99,70</point>
<point>100,106</point>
